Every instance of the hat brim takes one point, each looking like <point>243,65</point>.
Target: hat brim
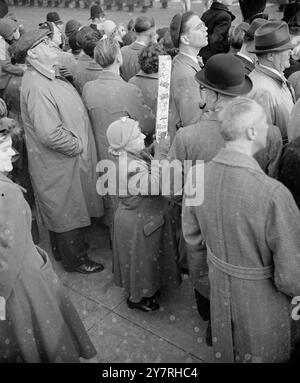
<point>234,91</point>
<point>284,47</point>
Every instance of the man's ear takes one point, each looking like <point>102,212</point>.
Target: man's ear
<point>270,56</point>
<point>184,40</point>
<point>32,54</point>
<point>251,133</point>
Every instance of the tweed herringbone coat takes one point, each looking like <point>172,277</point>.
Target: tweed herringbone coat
<point>251,226</point>
<point>202,141</point>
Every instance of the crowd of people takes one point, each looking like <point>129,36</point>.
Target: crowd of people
<point>76,98</point>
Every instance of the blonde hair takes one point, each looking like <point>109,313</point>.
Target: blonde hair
<point>106,51</point>
<point>237,116</point>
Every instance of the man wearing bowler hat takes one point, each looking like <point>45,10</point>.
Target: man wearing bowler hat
<point>222,79</point>
<point>272,46</point>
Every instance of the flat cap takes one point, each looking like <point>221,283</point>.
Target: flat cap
<point>25,42</point>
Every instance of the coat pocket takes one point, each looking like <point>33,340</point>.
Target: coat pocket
<point>155,223</point>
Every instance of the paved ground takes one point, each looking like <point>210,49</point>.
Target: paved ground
<point>175,333</point>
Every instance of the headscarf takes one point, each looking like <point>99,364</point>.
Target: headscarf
<point>119,134</point>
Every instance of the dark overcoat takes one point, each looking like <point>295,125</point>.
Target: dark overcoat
<point>130,55</point>
<point>218,21</point>
<point>90,73</point>
<point>148,84</point>
<point>290,168</point>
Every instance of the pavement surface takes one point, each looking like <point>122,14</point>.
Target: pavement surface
<point>175,333</point>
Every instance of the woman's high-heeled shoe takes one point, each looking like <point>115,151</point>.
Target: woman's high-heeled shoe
<point>145,304</point>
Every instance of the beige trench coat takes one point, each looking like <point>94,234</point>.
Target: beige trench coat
<point>61,152</point>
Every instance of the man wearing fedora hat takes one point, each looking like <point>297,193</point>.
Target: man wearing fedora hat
<point>244,55</point>
<point>272,46</point>
<point>222,79</point>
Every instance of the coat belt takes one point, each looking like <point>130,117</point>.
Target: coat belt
<point>250,273</point>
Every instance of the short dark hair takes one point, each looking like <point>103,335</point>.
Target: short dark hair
<point>73,43</point>
<point>87,39</point>
<point>168,45</point>
<point>236,37</point>
<point>106,51</point>
<point>143,24</point>
<point>148,58</point>
<point>129,38</point>
<point>178,26</point>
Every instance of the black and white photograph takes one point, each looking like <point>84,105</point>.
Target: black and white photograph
<point>149,185</point>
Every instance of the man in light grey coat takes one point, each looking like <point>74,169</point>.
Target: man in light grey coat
<point>61,152</point>
<point>272,46</point>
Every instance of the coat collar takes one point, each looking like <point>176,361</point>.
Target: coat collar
<point>94,66</point>
<point>209,115</point>
<point>135,46</point>
<point>4,178</point>
<point>237,159</point>
<point>84,57</point>
<point>269,73</point>
<point>143,74</point>
<point>187,61</point>
<point>221,7</point>
<point>109,75</point>
<point>36,66</point>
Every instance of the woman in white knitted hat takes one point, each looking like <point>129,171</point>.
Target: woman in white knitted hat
<point>144,247</point>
